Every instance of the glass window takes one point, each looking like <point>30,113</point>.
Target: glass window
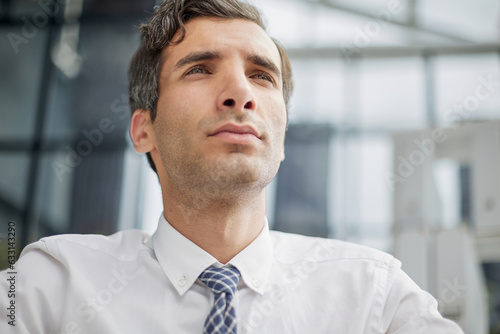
<point>60,123</point>
<point>324,24</point>
<point>36,11</point>
<point>21,69</point>
<point>471,20</point>
<point>391,93</point>
<point>375,7</point>
<point>55,177</point>
<point>282,17</point>
<point>361,198</point>
<point>467,88</point>
<point>446,173</point>
<point>14,168</point>
<point>318,94</point>
<point>375,195</point>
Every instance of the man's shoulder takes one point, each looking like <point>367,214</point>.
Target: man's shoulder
<point>122,245</point>
<point>291,247</point>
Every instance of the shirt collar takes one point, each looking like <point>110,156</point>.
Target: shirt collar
<point>254,262</point>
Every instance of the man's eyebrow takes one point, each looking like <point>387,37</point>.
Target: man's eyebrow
<point>265,62</point>
<point>196,57</point>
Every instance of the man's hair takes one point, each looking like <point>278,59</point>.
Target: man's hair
<point>169,18</point>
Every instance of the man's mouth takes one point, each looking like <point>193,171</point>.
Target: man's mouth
<point>236,133</point>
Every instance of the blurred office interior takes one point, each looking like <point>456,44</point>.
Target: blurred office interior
<point>394,136</point>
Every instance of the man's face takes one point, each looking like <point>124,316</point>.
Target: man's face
<point>221,116</point>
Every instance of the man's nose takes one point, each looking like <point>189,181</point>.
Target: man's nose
<point>236,93</point>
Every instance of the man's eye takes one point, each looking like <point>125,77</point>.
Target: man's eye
<point>264,76</point>
<point>197,70</point>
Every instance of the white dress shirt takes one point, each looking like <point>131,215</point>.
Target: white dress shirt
<point>131,282</point>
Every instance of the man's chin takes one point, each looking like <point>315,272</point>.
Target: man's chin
<point>238,171</point>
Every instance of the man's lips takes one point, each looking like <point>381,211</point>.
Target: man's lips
<point>236,130</point>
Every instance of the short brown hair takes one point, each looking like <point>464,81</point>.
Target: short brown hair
<point>170,17</point>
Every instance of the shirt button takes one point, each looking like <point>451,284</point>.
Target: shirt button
<point>256,282</point>
<point>182,281</point>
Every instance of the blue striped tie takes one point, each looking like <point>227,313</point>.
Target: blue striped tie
<point>222,282</point>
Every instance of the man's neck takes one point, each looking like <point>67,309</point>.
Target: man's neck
<point>222,228</point>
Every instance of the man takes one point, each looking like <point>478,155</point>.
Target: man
<point>209,91</point>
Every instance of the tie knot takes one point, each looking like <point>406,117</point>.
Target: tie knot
<point>220,280</point>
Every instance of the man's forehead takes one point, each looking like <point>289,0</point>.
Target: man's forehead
<point>224,36</point>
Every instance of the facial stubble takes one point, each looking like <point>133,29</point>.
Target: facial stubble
<point>229,175</point>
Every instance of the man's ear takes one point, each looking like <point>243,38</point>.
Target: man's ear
<point>141,131</point>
